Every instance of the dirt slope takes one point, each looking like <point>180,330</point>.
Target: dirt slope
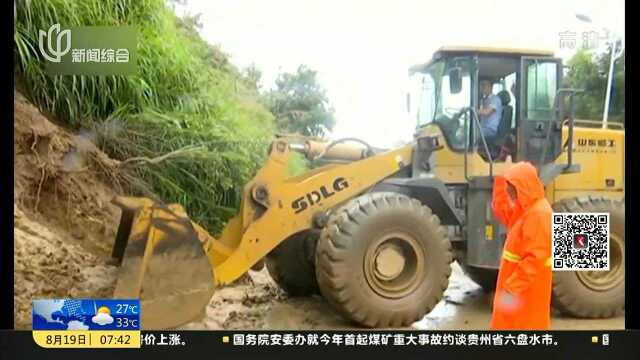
<point>65,226</point>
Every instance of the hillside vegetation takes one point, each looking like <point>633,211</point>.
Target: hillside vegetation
<point>186,96</point>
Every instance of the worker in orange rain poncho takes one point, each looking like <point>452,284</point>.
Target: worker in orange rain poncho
<point>523,293</point>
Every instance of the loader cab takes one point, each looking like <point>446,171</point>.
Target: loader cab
<point>524,81</point>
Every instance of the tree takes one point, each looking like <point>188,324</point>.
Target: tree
<point>300,104</point>
<point>252,75</point>
<point>589,73</point>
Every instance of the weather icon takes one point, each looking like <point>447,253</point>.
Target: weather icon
<point>76,325</point>
<point>103,316</point>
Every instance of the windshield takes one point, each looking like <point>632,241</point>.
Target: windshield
<point>438,103</point>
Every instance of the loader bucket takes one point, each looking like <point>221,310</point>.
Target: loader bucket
<point>163,263</point>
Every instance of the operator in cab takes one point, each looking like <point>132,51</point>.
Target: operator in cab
<point>490,111</point>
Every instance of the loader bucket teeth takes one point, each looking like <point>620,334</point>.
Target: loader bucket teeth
<point>162,262</point>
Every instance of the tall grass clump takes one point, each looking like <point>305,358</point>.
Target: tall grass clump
<point>184,94</point>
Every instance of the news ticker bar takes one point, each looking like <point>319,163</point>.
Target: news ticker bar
<point>114,339</point>
<point>137,339</point>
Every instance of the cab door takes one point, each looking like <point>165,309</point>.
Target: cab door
<point>540,130</point>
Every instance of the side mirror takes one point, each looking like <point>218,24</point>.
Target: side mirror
<point>455,80</point>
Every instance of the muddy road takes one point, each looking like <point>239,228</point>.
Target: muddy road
<point>257,303</point>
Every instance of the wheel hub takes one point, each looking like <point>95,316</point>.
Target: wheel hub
<point>394,265</point>
<point>389,262</point>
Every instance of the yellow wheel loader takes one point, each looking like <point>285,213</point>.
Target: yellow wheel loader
<point>375,231</point>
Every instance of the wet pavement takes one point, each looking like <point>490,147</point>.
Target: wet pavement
<point>257,303</point>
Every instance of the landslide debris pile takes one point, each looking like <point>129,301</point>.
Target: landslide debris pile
<point>65,226</point>
<point>64,223</point>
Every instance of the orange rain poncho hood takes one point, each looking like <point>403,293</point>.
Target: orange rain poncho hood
<point>529,189</point>
<point>523,290</point>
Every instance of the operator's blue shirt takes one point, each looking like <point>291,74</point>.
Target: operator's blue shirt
<point>490,123</point>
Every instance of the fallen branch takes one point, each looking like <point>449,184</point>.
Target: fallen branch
<point>156,160</point>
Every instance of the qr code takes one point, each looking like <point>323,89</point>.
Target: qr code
<point>580,241</point>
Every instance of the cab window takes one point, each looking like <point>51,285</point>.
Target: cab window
<point>541,90</point>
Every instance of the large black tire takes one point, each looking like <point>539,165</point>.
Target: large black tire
<point>580,294</point>
<point>291,264</point>
<point>376,292</point>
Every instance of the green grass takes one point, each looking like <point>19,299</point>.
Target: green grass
<point>298,164</point>
<point>185,93</point>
